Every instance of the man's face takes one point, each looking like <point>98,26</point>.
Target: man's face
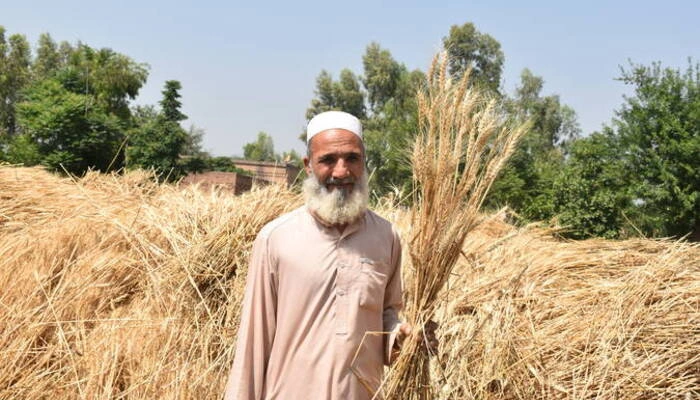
<point>337,159</point>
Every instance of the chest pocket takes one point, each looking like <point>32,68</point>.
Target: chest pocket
<point>372,283</point>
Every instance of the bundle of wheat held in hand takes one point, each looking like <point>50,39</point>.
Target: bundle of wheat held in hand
<point>462,143</point>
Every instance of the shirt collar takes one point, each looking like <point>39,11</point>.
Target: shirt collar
<point>333,231</point>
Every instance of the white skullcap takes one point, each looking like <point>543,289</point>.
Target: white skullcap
<point>333,120</point>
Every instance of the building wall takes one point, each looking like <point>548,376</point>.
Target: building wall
<point>263,173</point>
<point>229,181</point>
<point>269,171</point>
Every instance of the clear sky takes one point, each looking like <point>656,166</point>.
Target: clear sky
<point>247,67</point>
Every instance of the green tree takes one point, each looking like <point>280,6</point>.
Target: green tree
<point>68,106</point>
<point>262,149</point>
<point>469,48</point>
<point>48,59</point>
<point>553,124</point>
<point>22,149</point>
<point>343,95</point>
<point>157,141</point>
<point>193,144</point>
<point>70,130</point>
<point>659,127</point>
<point>192,156</point>
<point>382,75</point>
<point>15,58</point>
<point>592,193</point>
<point>170,104</point>
<point>526,184</point>
<point>112,79</point>
<point>389,133</point>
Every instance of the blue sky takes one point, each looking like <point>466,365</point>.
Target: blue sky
<point>247,67</point>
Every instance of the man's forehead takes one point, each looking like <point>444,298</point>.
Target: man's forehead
<point>336,141</point>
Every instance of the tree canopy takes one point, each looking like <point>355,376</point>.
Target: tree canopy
<point>262,149</point>
<point>470,49</point>
<point>659,129</point>
<point>68,107</point>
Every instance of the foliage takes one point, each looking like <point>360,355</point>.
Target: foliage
<point>23,150</point>
<point>15,57</point>
<point>155,143</point>
<point>642,174</point>
<point>224,164</point>
<point>69,130</point>
<point>262,149</point>
<point>157,140</point>
<point>66,108</point>
<point>592,193</point>
<point>112,79</point>
<point>389,133</point>
<point>382,75</point>
<point>291,157</point>
<point>343,95</point>
<point>526,184</point>
<point>170,104</point>
<point>48,59</point>
<point>193,158</point>
<point>193,144</point>
<point>659,128</point>
<point>470,49</point>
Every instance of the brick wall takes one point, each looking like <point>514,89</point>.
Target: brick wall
<point>269,171</point>
<point>263,173</point>
<point>229,181</point>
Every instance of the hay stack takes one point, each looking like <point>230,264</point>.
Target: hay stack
<point>530,316</point>
<point>116,287</point>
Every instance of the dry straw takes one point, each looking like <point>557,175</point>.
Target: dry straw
<point>462,143</point>
<point>120,288</point>
<point>117,287</point>
<point>529,316</point>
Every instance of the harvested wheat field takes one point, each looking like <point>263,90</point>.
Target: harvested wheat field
<point>116,287</point>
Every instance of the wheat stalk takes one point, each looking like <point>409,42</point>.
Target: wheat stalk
<point>462,144</point>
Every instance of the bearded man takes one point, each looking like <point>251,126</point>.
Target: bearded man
<point>323,282</point>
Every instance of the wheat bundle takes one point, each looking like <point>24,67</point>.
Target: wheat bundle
<point>463,142</point>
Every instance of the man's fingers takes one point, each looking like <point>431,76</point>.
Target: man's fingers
<point>430,327</point>
<point>426,337</point>
<point>434,344</point>
<point>404,331</point>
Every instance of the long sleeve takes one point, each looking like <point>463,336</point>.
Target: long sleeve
<point>393,300</point>
<point>256,331</point>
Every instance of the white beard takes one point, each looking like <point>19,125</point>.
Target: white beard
<point>336,207</point>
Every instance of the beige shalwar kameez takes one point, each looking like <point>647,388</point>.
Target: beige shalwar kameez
<point>312,294</point>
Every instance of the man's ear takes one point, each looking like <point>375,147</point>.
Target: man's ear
<point>307,165</point>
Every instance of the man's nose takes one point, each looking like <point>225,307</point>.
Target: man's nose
<point>340,170</point>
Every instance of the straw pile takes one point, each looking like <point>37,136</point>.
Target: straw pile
<point>118,288</point>
<point>530,316</point>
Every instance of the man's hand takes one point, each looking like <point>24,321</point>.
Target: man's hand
<point>427,337</point>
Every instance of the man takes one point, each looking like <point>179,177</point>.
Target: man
<point>324,282</point>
